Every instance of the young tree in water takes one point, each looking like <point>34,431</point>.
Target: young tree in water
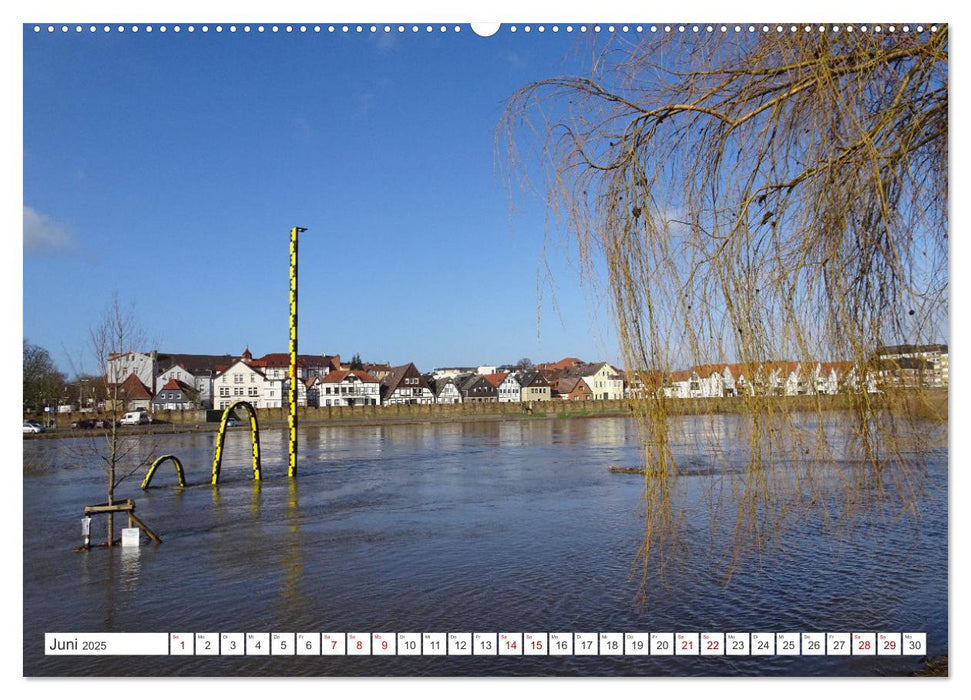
<point>121,457</point>
<point>757,197</point>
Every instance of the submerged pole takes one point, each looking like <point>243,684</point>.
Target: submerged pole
<point>292,393</point>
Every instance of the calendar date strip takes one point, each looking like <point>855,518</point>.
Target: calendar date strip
<point>486,644</point>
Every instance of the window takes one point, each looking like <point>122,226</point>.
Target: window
<point>237,379</point>
<point>224,391</point>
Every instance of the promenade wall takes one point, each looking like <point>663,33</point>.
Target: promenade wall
<point>932,404</point>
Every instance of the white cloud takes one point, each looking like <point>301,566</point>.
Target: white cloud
<point>44,236</point>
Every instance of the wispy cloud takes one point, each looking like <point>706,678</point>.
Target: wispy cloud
<point>44,236</point>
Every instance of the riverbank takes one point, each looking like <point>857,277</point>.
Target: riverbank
<point>932,404</point>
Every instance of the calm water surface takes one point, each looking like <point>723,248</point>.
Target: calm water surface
<point>498,527</point>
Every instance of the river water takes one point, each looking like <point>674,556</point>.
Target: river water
<point>487,527</point>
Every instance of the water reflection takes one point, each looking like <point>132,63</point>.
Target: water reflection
<point>130,568</point>
<point>436,527</point>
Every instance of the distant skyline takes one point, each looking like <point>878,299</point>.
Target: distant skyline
<point>169,168</point>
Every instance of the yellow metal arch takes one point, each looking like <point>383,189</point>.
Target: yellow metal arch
<point>254,433</point>
<point>179,472</point>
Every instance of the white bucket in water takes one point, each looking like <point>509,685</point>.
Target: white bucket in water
<point>129,537</point>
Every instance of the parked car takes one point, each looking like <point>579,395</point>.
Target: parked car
<point>83,424</point>
<point>32,427</point>
<point>135,418</point>
<point>232,422</point>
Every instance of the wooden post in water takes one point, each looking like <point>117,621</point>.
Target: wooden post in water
<point>128,507</point>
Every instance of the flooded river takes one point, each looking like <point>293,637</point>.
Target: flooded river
<point>489,527</point>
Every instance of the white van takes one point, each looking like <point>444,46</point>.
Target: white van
<point>135,418</point>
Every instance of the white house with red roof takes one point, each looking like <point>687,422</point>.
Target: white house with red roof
<point>349,387</point>
<point>243,382</point>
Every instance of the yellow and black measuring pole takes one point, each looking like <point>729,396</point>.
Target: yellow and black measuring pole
<point>292,394</point>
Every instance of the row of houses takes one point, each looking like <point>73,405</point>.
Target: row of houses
<point>897,366</point>
<point>161,381</point>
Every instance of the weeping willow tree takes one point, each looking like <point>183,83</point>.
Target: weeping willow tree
<point>775,203</point>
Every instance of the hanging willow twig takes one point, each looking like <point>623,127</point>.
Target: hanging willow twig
<point>757,199</point>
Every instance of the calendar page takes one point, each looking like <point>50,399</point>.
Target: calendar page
<point>448,349</point>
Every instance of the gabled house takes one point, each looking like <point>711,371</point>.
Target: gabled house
<point>683,384</point>
<point>194,370</point>
<point>604,381</point>
<point>534,386</point>
<point>570,389</point>
<point>199,381</point>
<point>478,389</point>
<point>642,384</point>
<point>309,392</point>
<point>132,395</point>
<point>509,389</point>
<point>715,380</point>
<point>406,385</point>
<point>349,387</point>
<point>446,390</point>
<point>175,396</point>
<point>496,379</point>
<point>243,382</point>
<point>828,377</point>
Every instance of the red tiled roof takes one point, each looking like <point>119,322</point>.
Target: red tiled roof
<point>340,375</point>
<point>282,359</point>
<point>560,366</point>
<point>839,367</point>
<point>709,369</point>
<point>175,385</point>
<point>497,378</point>
<point>680,376</point>
<point>132,388</point>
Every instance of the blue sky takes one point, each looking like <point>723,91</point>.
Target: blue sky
<point>170,167</point>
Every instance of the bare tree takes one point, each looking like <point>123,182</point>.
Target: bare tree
<point>779,195</point>
<point>524,364</point>
<point>121,456</point>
